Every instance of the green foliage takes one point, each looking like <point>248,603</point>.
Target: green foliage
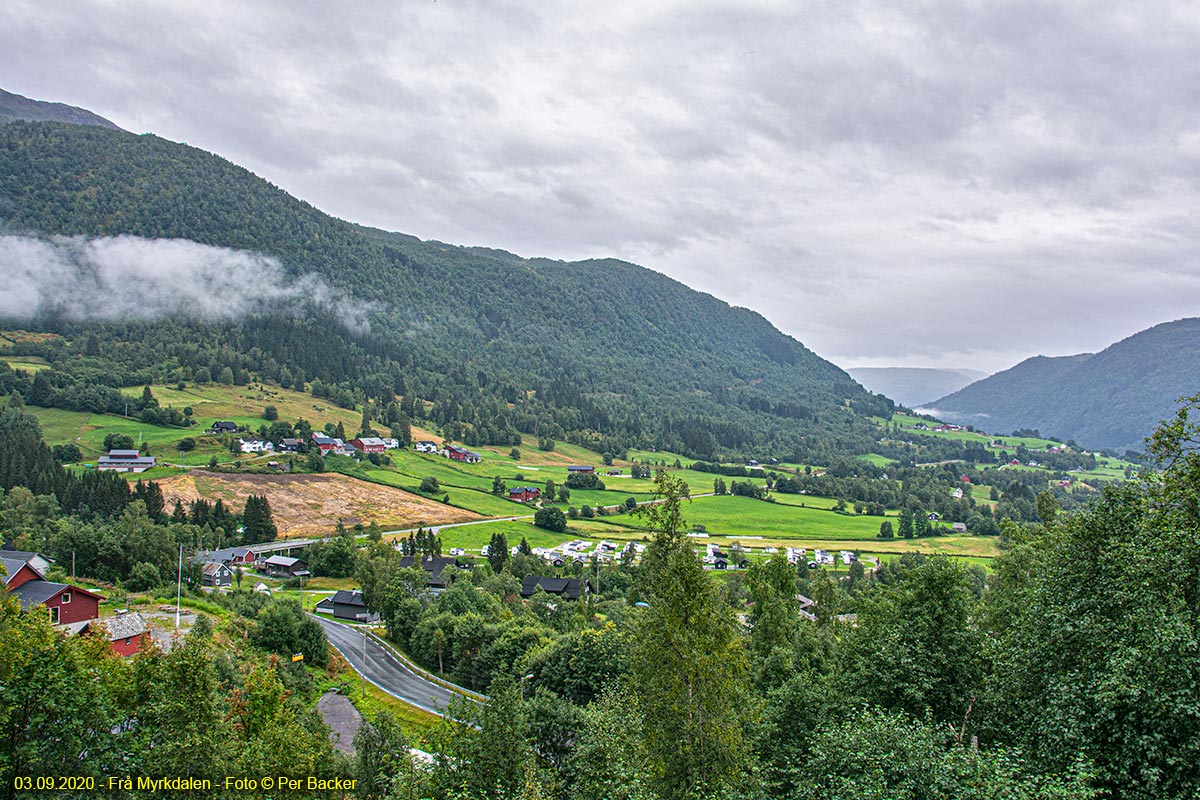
<point>283,628</point>
<point>257,523</point>
<point>551,518</point>
<point>687,662</point>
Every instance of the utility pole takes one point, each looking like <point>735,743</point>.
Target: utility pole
<point>178,587</point>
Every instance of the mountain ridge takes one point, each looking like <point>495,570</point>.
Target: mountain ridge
<point>1111,399</point>
<point>600,328</point>
<point>15,107</point>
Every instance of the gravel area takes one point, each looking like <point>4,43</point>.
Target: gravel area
<point>342,718</point>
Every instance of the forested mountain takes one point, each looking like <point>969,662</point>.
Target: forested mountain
<point>914,386</point>
<point>1110,399</point>
<point>602,352</point>
<point>14,107</point>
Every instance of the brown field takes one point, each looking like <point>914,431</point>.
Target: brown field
<point>310,505</point>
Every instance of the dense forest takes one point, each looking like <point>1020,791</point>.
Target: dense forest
<point>605,353</point>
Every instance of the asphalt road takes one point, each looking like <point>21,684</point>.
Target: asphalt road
<point>384,670</point>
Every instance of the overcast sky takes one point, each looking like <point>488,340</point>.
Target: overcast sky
<point>919,184</point>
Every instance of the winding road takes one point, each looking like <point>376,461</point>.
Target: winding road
<point>382,668</point>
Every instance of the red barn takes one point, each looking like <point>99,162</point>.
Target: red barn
<point>369,444</point>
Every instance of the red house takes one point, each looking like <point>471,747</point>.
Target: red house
<point>125,632</point>
<point>369,444</point>
<point>324,443</point>
<point>65,603</point>
<point>524,494</point>
<point>18,572</point>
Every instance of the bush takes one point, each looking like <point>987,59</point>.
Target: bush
<point>429,484</point>
<point>550,518</point>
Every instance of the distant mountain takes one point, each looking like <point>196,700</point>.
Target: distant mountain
<point>602,352</point>
<point>912,386</point>
<point>14,107</point>
<point>1110,399</point>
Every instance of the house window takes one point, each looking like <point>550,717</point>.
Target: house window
<point>126,640</point>
<point>66,598</point>
<point>53,615</point>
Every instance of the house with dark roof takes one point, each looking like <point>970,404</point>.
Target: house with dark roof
<point>566,588</point>
<point>524,494</point>
<point>64,602</point>
<point>456,453</point>
<point>217,574</point>
<point>35,560</point>
<point>581,470</point>
<point>229,556</point>
<point>290,445</point>
<point>346,604</point>
<point>223,427</point>
<point>324,443</point>
<point>18,571</point>
<point>434,565</point>
<point>284,567</point>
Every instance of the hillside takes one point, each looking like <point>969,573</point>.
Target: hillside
<point>913,386</point>
<point>14,107</point>
<point>620,351</point>
<point>1112,399</point>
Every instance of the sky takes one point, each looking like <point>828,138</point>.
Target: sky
<point>935,184</point>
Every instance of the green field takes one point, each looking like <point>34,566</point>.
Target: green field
<point>743,515</point>
<point>472,537</point>
<point>30,364</point>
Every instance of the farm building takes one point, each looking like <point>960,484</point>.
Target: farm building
<point>456,453</point>
<point>125,461</point>
<point>324,443</point>
<point>346,604</point>
<point>369,444</point>
<point>284,567</point>
<point>524,494</point>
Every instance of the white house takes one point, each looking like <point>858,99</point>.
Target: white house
<point>255,446</point>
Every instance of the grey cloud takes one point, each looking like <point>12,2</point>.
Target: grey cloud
<point>126,277</point>
<point>890,183</point>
